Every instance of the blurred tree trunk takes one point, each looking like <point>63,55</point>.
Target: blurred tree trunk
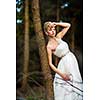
<point>42,50</point>
<point>73,33</point>
<point>58,14</point>
<point>26,46</point>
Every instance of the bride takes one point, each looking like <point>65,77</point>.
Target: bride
<point>67,81</point>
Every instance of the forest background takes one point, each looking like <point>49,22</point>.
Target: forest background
<point>29,71</point>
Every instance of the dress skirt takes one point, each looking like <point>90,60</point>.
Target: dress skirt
<point>68,90</point>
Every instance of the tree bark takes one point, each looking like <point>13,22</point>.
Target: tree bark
<point>42,50</point>
<point>58,14</point>
<point>73,33</point>
<point>26,46</point>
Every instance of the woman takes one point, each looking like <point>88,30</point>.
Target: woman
<point>67,81</point>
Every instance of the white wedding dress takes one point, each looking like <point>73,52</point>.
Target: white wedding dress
<point>67,90</point>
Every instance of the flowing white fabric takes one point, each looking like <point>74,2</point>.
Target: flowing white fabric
<point>68,64</point>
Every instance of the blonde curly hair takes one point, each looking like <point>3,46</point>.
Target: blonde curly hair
<point>46,25</point>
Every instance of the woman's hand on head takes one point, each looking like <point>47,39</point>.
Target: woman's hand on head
<point>54,24</point>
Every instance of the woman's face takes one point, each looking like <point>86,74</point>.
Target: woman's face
<point>51,30</point>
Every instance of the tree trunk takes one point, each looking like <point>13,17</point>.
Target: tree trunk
<point>26,46</point>
<point>58,14</point>
<point>42,50</point>
<point>73,33</point>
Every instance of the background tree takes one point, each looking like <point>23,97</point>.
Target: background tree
<point>42,50</point>
<point>26,46</point>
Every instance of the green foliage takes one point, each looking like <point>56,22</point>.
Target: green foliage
<point>30,98</point>
<point>38,94</point>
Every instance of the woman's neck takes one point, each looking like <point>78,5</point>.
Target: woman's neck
<point>52,38</point>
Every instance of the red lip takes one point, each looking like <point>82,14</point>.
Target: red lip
<point>51,33</point>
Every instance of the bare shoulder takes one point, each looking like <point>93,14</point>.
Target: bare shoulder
<point>48,47</point>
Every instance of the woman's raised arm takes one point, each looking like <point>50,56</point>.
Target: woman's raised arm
<point>65,26</point>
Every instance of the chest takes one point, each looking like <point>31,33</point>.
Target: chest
<point>53,45</point>
<point>61,49</point>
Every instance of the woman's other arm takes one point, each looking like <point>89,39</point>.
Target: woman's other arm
<point>63,75</point>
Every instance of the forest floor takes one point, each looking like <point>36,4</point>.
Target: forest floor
<point>31,93</point>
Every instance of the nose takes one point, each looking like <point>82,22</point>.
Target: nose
<point>53,31</point>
